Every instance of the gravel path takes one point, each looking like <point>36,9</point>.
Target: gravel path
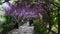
<point>24,29</point>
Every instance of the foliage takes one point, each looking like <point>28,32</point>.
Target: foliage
<point>39,27</point>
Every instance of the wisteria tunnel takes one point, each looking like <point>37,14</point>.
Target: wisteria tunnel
<point>29,16</point>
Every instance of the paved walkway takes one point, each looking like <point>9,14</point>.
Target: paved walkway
<point>24,29</point>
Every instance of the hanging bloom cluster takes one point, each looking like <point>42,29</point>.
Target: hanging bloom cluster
<point>21,9</point>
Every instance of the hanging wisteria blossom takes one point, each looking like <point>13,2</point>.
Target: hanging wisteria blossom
<point>21,9</point>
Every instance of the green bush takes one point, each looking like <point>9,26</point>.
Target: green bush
<point>39,27</point>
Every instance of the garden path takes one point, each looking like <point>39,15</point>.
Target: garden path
<point>24,29</point>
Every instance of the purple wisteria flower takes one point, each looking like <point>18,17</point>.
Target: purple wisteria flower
<point>22,9</point>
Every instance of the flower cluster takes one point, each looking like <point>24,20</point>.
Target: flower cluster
<point>21,9</point>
